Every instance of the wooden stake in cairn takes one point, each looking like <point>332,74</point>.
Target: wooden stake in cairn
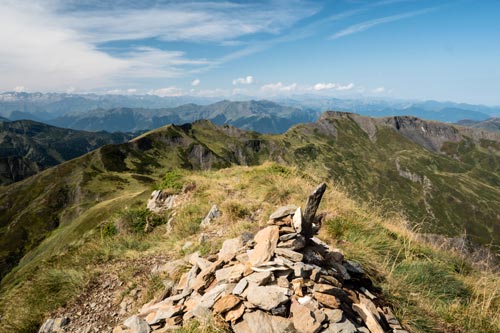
<point>310,211</point>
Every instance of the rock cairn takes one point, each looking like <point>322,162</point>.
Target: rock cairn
<point>282,279</point>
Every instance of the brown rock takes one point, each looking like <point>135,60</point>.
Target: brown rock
<point>297,286</point>
<point>235,314</point>
<point>304,320</point>
<point>226,303</point>
<point>327,300</point>
<point>315,274</point>
<point>327,279</point>
<point>266,241</point>
<point>368,317</point>
<point>287,230</point>
<point>326,289</point>
<point>207,275</point>
<point>282,282</point>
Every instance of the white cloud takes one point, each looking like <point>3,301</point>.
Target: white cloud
<point>58,44</point>
<point>360,27</point>
<point>243,80</point>
<point>168,92</point>
<point>46,55</point>
<point>131,91</point>
<point>278,87</point>
<point>196,82</point>
<point>378,90</point>
<point>332,86</point>
<point>19,89</point>
<point>188,21</point>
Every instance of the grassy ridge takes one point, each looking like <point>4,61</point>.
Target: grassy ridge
<point>431,290</point>
<point>453,192</point>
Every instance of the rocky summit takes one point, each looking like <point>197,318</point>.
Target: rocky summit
<point>283,279</point>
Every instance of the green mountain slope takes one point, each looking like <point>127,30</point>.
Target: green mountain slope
<point>444,178</point>
<point>26,147</point>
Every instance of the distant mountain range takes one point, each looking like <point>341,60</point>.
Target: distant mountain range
<point>261,116</point>
<point>61,109</point>
<point>27,147</point>
<point>51,105</point>
<point>491,124</point>
<point>430,110</point>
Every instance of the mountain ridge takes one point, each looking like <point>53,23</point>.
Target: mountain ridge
<point>27,147</point>
<point>386,166</point>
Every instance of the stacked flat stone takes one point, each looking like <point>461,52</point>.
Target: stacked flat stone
<point>283,279</point>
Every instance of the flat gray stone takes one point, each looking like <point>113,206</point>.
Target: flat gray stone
<point>240,287</point>
<point>267,297</point>
<point>261,322</point>
<point>260,278</point>
<point>283,211</point>
<point>230,274</point>
<point>289,254</point>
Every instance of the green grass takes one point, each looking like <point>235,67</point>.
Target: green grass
<point>431,290</point>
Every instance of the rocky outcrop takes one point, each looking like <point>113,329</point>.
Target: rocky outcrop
<point>428,134</point>
<point>161,200</point>
<point>284,279</point>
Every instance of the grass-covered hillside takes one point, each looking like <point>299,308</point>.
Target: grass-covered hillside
<point>108,254</point>
<point>445,180</point>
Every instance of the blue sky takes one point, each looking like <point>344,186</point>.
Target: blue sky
<point>411,49</point>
